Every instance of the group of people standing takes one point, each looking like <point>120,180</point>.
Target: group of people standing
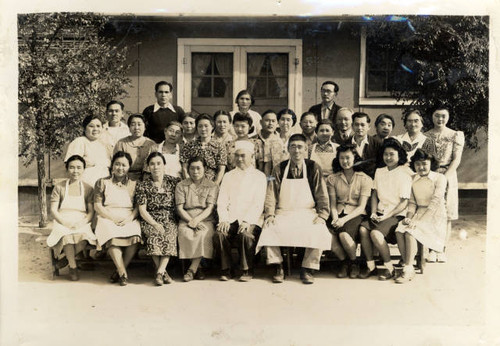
<point>196,185</point>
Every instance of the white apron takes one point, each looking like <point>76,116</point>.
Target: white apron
<point>324,160</point>
<point>295,214</point>
<point>119,203</point>
<point>74,209</point>
<point>173,165</point>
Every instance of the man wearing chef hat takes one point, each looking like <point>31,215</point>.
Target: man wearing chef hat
<point>296,209</point>
<point>240,206</point>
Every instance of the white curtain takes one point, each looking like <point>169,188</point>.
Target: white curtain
<point>201,63</point>
<point>224,63</point>
<point>254,65</point>
<point>280,69</point>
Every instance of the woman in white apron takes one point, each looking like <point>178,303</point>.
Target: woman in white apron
<point>324,150</point>
<point>426,217</point>
<point>93,151</point>
<point>71,206</point>
<point>297,223</point>
<point>118,229</point>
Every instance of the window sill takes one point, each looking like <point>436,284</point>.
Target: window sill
<point>382,101</point>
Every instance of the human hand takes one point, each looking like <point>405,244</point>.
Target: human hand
<point>374,217</point>
<point>159,227</point>
<point>200,227</point>
<point>193,223</point>
<point>223,227</point>
<point>269,221</point>
<point>243,227</point>
<point>340,222</point>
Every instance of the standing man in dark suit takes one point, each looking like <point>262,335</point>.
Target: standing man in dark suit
<point>327,109</point>
<point>161,113</point>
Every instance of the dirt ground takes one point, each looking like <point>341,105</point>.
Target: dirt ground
<point>444,306</point>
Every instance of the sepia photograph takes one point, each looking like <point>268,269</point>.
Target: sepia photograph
<point>294,173</point>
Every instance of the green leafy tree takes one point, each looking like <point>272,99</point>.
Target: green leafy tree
<point>67,70</point>
<point>446,58</point>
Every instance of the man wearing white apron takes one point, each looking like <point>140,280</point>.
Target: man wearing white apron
<point>296,209</point>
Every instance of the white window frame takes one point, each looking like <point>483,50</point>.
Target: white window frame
<point>372,101</point>
<point>239,48</point>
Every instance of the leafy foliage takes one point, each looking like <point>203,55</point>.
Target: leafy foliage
<point>66,72</point>
<point>448,56</point>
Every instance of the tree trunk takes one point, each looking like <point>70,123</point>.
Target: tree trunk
<point>42,189</point>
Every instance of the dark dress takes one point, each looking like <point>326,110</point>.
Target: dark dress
<point>161,206</point>
<point>214,154</point>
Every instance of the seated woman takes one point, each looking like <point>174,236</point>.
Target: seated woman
<point>155,199</point>
<point>117,227</point>
<point>390,195</point>
<point>349,190</point>
<point>195,198</point>
<point>426,217</point>
<point>71,206</point>
<point>136,145</point>
<point>213,153</point>
<point>94,152</point>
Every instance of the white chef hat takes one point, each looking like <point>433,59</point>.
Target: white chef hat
<point>244,145</point>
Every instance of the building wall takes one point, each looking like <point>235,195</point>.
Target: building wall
<point>331,50</point>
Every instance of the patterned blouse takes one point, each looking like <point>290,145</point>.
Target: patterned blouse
<point>214,154</point>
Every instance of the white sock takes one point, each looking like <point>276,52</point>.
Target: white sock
<point>389,266</point>
<point>370,265</point>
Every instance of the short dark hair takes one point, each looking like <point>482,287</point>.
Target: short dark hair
<point>120,154</point>
<point>394,144</point>
<point>269,111</point>
<point>75,158</point>
<point>196,158</point>
<point>412,111</point>
<point>155,154</point>
<point>287,111</point>
<point>243,92</point>
<point>360,115</point>
<point>160,83</point>
<point>243,118</point>
<point>342,149</point>
<point>305,114</point>
<point>421,155</point>
<point>88,119</point>
<point>204,116</point>
<point>114,102</point>
<point>223,112</point>
<point>335,85</point>
<point>382,117</point>
<point>134,116</point>
<point>297,137</point>
<point>327,122</point>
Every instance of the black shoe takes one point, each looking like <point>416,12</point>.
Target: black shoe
<point>354,271</point>
<point>365,273</point>
<point>386,275</point>
<point>166,278</point>
<point>279,275</point>
<point>115,277</point>
<point>63,262</point>
<point>306,276</point>
<point>200,274</point>
<point>342,273</point>
<point>123,280</point>
<point>225,275</point>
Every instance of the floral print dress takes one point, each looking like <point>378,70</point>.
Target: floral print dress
<point>213,153</point>
<point>160,204</point>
